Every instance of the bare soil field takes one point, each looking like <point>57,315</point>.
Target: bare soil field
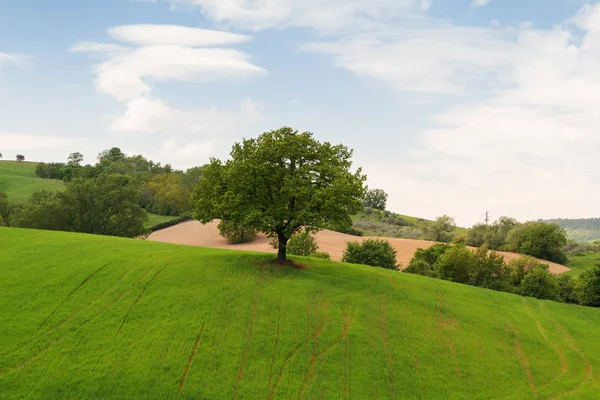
<point>193,233</point>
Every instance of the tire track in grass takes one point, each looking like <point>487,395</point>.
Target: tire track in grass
<point>87,279</point>
<point>138,298</point>
<point>320,322</point>
<point>522,358</point>
<point>276,344</point>
<point>573,345</point>
<point>561,355</point>
<point>383,325</point>
<point>250,336</point>
<point>191,358</point>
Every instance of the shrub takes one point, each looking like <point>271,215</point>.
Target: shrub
<point>540,284</point>
<point>588,287</point>
<point>168,224</point>
<point>519,268</point>
<point>374,252</point>
<point>354,232</point>
<point>421,267</point>
<point>540,240</point>
<point>236,234</point>
<point>489,270</point>
<point>459,239</point>
<point>302,244</point>
<point>566,289</point>
<point>455,264</point>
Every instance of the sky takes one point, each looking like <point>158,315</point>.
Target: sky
<point>452,107</point>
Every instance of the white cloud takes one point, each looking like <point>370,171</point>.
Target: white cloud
<point>183,156</point>
<point>8,58</point>
<point>163,54</point>
<point>147,115</point>
<point>174,35</point>
<point>528,148</point>
<point>480,3</point>
<point>323,15</point>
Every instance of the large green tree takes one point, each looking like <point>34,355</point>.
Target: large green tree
<point>538,239</point>
<point>280,183</point>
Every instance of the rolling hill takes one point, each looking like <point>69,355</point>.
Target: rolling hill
<point>581,230</point>
<point>196,234</point>
<point>98,317</point>
<point>19,181</point>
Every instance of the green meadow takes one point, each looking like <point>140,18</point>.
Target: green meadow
<point>19,181</point>
<point>581,262</point>
<point>90,317</point>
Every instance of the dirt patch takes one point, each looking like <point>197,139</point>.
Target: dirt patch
<point>193,233</point>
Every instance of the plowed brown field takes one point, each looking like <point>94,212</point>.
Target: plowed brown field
<point>193,233</point>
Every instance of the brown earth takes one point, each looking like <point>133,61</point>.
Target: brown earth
<point>193,233</point>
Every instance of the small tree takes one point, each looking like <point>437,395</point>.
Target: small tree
<point>375,198</point>
<point>440,230</point>
<point>20,158</point>
<point>374,252</point>
<point>75,159</point>
<point>455,264</point>
<point>280,183</point>
<point>540,240</point>
<point>588,287</point>
<point>540,284</point>
<point>236,234</point>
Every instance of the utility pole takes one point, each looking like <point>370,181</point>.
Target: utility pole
<point>487,217</point>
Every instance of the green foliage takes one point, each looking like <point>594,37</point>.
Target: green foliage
<point>520,267</point>
<point>456,264</point>
<point>567,288</point>
<point>540,240</point>
<point>540,284</point>
<point>321,254</point>
<point>236,234</point>
<point>373,252</point>
<point>488,270</point>
<point>441,230</point>
<point>108,205</point>
<point>126,319</point>
<point>302,244</point>
<point>4,208</point>
<point>280,183</point>
<point>167,194</point>
<point>376,199</point>
<point>493,236</point>
<point>588,287</point>
<point>581,230</point>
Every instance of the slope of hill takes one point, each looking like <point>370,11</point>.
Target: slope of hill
<point>581,230</point>
<point>195,234</point>
<point>19,181</point>
<point>98,317</point>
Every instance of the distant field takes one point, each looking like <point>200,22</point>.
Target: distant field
<point>19,181</point>
<point>98,317</point>
<point>374,217</point>
<point>155,219</point>
<point>580,263</point>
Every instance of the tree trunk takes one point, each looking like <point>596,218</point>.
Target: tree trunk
<point>282,251</point>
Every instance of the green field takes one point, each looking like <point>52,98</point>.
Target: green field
<point>581,262</point>
<point>19,181</point>
<point>155,219</point>
<point>98,317</point>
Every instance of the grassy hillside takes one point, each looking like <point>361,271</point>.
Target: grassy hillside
<point>100,317</point>
<point>580,262</point>
<point>581,230</point>
<point>19,181</point>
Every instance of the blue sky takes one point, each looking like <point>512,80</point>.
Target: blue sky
<point>451,106</point>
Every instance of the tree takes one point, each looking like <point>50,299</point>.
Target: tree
<point>373,252</point>
<point>280,183</point>
<point>456,264</point>
<point>540,240</point>
<point>4,208</point>
<point>588,287</point>
<point>169,197</point>
<point>477,235</point>
<point>540,284</point>
<point>20,158</point>
<point>440,230</point>
<point>75,159</point>
<point>375,198</point>
<point>107,205</point>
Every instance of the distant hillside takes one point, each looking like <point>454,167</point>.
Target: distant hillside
<point>91,317</point>
<point>19,181</point>
<point>582,230</point>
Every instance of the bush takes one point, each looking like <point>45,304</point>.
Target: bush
<point>236,234</point>
<point>302,244</point>
<point>354,232</point>
<point>540,284</point>
<point>421,267</point>
<point>588,287</point>
<point>540,240</point>
<point>566,289</point>
<point>489,270</point>
<point>455,264</point>
<point>374,252</point>
<point>519,268</point>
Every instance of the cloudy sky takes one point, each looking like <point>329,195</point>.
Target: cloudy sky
<point>452,106</point>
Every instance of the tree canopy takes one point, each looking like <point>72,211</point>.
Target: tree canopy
<point>376,198</point>
<point>280,183</point>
